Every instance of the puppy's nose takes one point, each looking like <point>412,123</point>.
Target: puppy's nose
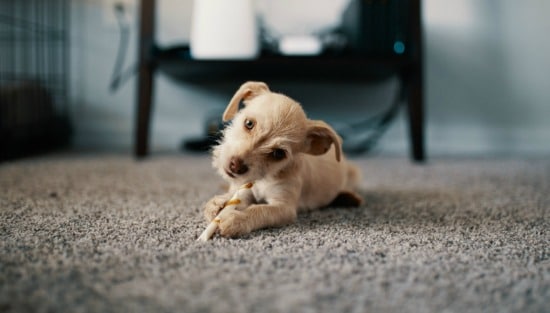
<point>237,166</point>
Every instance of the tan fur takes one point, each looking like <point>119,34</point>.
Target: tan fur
<point>311,175</point>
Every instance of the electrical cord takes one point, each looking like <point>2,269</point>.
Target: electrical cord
<point>362,136</point>
<point>120,76</point>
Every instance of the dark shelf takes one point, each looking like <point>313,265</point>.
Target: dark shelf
<point>178,63</point>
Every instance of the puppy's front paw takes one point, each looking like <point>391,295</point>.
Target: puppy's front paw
<point>213,207</point>
<point>235,224</point>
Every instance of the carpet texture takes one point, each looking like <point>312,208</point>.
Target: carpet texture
<point>109,234</point>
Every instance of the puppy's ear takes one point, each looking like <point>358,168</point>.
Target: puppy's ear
<point>319,138</point>
<point>247,91</point>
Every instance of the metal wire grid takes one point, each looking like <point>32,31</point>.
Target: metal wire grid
<point>34,46</point>
<point>34,67</point>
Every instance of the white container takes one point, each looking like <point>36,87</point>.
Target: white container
<point>224,29</point>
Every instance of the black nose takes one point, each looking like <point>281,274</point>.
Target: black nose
<point>237,166</point>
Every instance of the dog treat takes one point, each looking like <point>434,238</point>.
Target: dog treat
<point>236,202</point>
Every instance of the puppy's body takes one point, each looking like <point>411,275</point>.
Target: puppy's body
<point>295,163</point>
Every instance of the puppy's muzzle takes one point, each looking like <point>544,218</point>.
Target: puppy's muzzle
<point>237,167</point>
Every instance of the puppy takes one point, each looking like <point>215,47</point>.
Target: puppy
<point>295,163</point>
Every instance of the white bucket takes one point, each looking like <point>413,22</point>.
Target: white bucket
<point>224,29</point>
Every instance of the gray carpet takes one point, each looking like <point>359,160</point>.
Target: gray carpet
<point>108,234</point>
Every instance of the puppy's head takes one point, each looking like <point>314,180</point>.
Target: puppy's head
<point>267,135</point>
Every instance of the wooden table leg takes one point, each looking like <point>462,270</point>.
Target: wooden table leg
<point>146,72</point>
<point>416,115</point>
<point>415,90</point>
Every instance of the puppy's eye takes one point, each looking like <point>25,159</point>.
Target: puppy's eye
<point>249,124</point>
<point>278,154</point>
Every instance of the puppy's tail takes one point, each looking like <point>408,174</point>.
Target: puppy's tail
<point>354,177</point>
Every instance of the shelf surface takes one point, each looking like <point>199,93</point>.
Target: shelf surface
<point>178,63</point>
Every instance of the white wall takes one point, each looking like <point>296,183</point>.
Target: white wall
<point>488,87</point>
<point>487,82</point>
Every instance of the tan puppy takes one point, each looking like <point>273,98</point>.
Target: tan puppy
<point>295,163</point>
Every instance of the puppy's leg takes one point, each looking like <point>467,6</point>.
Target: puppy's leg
<point>214,206</point>
<point>255,217</point>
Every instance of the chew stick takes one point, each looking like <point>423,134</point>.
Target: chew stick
<point>237,201</point>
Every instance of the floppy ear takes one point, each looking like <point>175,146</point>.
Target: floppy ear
<point>319,138</point>
<point>247,91</point>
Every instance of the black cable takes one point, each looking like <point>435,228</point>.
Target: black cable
<point>120,76</point>
<point>377,125</point>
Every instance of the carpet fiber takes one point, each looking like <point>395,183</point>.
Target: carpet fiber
<point>109,234</point>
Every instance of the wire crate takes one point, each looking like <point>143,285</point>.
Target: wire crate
<point>34,68</point>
